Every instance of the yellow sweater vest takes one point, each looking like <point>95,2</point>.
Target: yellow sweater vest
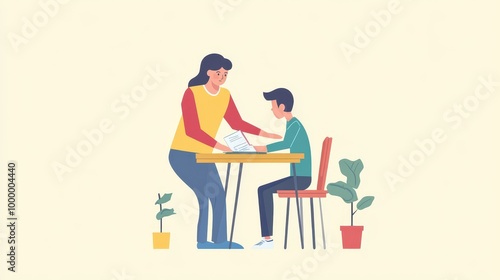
<point>211,110</point>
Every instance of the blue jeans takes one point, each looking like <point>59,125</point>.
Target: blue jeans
<point>266,204</point>
<point>204,180</point>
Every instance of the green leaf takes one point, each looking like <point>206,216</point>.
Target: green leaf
<point>365,202</point>
<point>351,169</point>
<point>165,198</point>
<point>164,213</point>
<point>342,190</point>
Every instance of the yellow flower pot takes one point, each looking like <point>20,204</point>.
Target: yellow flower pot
<point>161,240</point>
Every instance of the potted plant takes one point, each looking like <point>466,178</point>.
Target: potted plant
<point>351,235</point>
<point>161,240</point>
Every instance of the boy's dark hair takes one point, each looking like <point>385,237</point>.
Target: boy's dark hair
<point>282,96</point>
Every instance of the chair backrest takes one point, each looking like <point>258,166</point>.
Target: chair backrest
<point>323,164</point>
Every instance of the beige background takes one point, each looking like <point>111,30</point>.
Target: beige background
<point>440,223</point>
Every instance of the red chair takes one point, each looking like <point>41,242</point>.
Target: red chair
<point>319,193</point>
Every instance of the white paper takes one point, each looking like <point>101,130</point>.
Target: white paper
<point>237,142</point>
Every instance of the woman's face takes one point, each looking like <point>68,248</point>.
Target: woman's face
<point>217,77</point>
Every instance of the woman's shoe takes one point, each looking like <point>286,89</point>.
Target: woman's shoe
<point>205,245</point>
<point>225,245</point>
<point>220,245</point>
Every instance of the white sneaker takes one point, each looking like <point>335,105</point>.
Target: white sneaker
<point>264,244</point>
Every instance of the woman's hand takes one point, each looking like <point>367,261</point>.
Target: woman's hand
<point>222,147</point>
<point>269,135</point>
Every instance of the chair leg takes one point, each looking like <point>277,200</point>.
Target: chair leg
<point>322,225</point>
<point>286,220</point>
<point>312,223</point>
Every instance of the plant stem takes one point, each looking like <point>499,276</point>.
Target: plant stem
<point>161,220</point>
<point>352,214</point>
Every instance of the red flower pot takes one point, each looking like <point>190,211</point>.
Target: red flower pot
<point>351,236</point>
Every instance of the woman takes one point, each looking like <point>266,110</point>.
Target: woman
<point>204,105</point>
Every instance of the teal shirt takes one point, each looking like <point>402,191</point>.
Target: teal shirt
<point>297,141</point>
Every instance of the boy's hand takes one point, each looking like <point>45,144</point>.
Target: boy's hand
<point>269,135</point>
<point>260,148</point>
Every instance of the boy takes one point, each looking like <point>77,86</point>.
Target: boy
<point>297,141</point>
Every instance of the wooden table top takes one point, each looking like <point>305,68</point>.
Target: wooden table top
<point>249,158</point>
